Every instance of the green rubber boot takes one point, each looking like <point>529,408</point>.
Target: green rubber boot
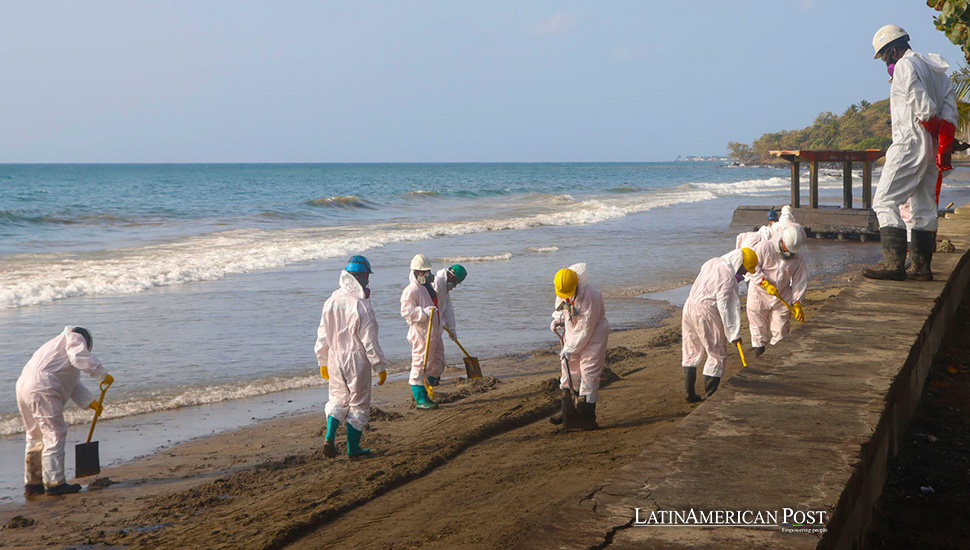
<point>421,398</point>
<point>329,449</point>
<point>353,442</point>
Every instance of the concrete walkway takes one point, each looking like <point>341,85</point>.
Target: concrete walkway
<point>807,427</point>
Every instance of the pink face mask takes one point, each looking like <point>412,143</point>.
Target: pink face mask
<point>891,67</point>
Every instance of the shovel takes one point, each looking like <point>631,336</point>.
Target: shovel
<point>472,368</point>
<point>571,417</point>
<point>782,300</point>
<point>86,461</point>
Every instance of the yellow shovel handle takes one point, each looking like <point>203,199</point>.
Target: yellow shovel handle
<point>782,300</point>
<point>427,349</point>
<point>468,355</point>
<point>741,352</point>
<point>104,389</point>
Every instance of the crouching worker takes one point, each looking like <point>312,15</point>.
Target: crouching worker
<point>49,379</point>
<point>347,350</point>
<point>418,302</point>
<point>581,312</point>
<point>712,317</point>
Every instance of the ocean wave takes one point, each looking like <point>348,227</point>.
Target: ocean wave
<point>33,279</point>
<point>543,249</point>
<point>624,189</point>
<point>342,201</point>
<point>421,193</point>
<point>11,423</point>
<point>493,258</point>
<point>763,186</point>
<point>21,218</point>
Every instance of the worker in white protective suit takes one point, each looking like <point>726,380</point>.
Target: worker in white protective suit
<point>781,272</point>
<point>712,317</point>
<point>347,350</point>
<point>418,301</point>
<point>49,379</point>
<point>923,106</point>
<point>581,313</point>
<point>445,281</point>
<point>751,238</point>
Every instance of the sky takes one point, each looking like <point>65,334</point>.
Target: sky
<point>423,81</point>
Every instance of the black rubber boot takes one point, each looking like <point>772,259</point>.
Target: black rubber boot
<point>64,489</point>
<point>690,378</point>
<point>557,418</point>
<point>758,350</point>
<point>33,489</point>
<point>893,256</point>
<point>710,384</point>
<point>589,416</point>
<point>924,244</point>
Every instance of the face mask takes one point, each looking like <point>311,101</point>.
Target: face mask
<point>367,292</point>
<point>451,286</point>
<point>570,307</point>
<point>787,255</point>
<point>738,277</point>
<point>891,67</point>
<point>424,279</point>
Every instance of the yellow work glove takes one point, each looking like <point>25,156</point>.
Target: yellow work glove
<point>324,373</point>
<point>108,380</point>
<point>769,288</point>
<point>799,314</point>
<point>97,407</point>
<point>383,379</point>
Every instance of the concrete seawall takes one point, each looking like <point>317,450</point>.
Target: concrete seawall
<point>807,427</point>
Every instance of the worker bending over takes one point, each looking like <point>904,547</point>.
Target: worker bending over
<point>48,380</point>
<point>781,273</point>
<point>580,311</point>
<point>347,350</point>
<point>712,317</point>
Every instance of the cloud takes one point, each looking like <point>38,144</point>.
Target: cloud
<point>557,24</point>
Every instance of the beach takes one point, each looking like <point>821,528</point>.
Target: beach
<point>476,473</point>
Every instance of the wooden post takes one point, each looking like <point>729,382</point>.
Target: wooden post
<point>795,191</point>
<point>847,184</point>
<point>813,185</point>
<point>867,184</point>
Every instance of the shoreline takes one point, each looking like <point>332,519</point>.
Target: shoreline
<point>482,416</point>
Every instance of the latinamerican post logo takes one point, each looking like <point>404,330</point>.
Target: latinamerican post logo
<point>788,520</point>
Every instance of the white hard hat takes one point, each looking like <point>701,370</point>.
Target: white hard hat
<point>794,238</point>
<point>420,263</point>
<point>885,35</point>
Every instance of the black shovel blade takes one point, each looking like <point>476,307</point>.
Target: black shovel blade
<point>572,418</point>
<point>86,461</point>
<point>472,369</point>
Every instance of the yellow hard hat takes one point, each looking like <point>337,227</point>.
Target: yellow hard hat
<point>749,259</point>
<point>566,281</point>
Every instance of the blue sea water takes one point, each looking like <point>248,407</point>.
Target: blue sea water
<point>204,283</point>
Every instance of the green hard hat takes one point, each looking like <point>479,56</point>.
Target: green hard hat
<point>459,272</point>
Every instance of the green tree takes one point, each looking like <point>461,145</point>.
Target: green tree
<point>740,152</point>
<point>954,21</point>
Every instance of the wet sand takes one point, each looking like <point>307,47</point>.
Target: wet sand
<point>476,473</point>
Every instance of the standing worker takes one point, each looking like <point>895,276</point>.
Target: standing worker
<point>751,238</point>
<point>48,380</point>
<point>781,271</point>
<point>419,302</point>
<point>347,350</point>
<point>444,282</point>
<point>581,312</point>
<point>923,106</point>
<point>712,317</point>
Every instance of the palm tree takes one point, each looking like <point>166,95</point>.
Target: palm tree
<point>961,81</point>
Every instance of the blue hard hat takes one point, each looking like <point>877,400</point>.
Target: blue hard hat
<point>358,264</point>
<point>772,215</point>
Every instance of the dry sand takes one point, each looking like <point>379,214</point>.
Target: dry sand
<point>477,473</point>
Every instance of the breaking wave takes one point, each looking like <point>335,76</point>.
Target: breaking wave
<point>543,249</point>
<point>492,258</point>
<point>342,201</point>
<point>422,193</point>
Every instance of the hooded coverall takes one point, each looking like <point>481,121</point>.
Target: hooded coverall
<point>347,344</point>
<point>920,90</point>
<point>586,337</point>
<point>48,380</point>
<point>712,314</point>
<point>750,238</point>
<point>445,308</point>
<point>768,318</point>
<point>416,306</point>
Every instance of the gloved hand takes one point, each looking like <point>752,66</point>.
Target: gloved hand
<point>108,380</point>
<point>943,158</point>
<point>564,355</point>
<point>769,288</point>
<point>799,314</point>
<point>383,378</point>
<point>453,335</point>
<point>736,342</point>
<point>557,324</point>
<point>97,407</point>
<point>324,373</point>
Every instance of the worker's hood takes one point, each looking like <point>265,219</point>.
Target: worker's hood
<point>934,61</point>
<point>733,259</point>
<point>350,284</point>
<point>582,275</point>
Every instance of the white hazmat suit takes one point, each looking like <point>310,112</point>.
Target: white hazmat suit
<point>416,306</point>
<point>586,337</point>
<point>712,314</point>
<point>445,307</point>
<point>920,90</point>
<point>750,238</point>
<point>347,344</point>
<point>49,379</point>
<point>768,318</point>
